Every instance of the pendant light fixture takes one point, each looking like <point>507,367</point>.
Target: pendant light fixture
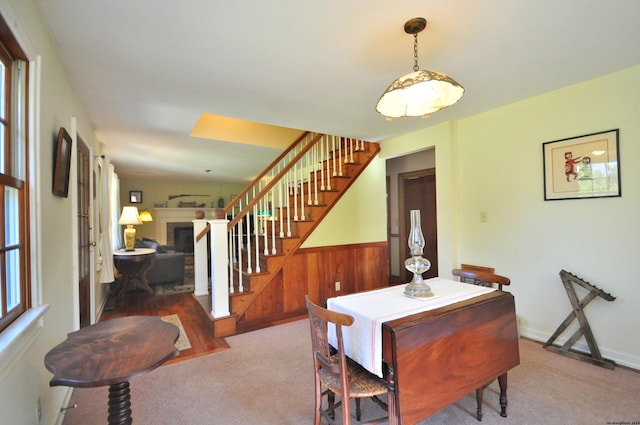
<point>421,92</point>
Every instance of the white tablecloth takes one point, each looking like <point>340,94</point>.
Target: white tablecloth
<point>363,339</point>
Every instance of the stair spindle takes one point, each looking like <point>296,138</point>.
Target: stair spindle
<point>328,164</point>
<point>322,164</point>
<point>333,154</point>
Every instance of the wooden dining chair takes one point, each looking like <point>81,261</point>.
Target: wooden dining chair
<point>485,276</point>
<point>480,275</point>
<point>336,374</point>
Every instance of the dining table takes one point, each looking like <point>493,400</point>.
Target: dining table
<point>432,351</point>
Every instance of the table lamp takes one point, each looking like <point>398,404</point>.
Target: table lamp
<point>145,216</point>
<point>129,217</point>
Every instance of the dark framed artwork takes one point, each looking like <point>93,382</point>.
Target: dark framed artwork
<point>135,196</point>
<point>62,163</point>
<point>582,167</point>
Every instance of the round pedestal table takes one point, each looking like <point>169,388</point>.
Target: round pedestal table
<point>111,353</point>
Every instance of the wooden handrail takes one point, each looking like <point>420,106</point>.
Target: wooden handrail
<point>273,181</point>
<point>203,232</point>
<point>264,173</point>
<point>257,179</point>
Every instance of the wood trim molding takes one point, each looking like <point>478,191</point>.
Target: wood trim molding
<point>315,271</point>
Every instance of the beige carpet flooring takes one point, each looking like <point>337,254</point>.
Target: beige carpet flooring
<point>267,378</point>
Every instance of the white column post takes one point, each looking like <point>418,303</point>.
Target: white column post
<point>219,269</point>
<point>200,259</point>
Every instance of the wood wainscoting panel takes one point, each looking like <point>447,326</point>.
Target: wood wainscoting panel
<point>315,271</point>
<point>358,267</point>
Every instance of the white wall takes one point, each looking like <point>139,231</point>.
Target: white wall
<point>493,162</point>
<point>23,378</point>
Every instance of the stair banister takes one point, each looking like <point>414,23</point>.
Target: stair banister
<point>248,207</point>
<point>219,289</point>
<point>200,258</point>
<point>303,161</point>
<point>239,196</point>
<point>219,271</point>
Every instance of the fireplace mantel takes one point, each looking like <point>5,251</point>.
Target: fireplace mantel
<point>175,215</point>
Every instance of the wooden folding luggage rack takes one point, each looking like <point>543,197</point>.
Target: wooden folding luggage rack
<point>577,313</point>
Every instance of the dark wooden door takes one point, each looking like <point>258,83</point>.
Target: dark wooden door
<point>84,233</point>
<point>418,192</point>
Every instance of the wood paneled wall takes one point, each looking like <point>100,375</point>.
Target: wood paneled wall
<point>314,271</point>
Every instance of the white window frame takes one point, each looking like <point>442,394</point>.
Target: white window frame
<point>18,337</point>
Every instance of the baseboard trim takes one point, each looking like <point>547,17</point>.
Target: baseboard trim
<point>631,362</point>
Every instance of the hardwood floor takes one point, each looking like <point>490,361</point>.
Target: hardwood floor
<point>197,326</point>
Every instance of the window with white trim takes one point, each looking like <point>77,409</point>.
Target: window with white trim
<point>14,189</point>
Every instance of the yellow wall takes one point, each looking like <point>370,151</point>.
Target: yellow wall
<point>441,138</point>
<point>154,192</point>
<point>360,216</point>
<point>498,158</point>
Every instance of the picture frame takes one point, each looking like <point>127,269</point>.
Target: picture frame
<point>135,196</point>
<point>62,163</point>
<point>582,167</point>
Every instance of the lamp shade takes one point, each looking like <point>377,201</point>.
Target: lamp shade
<point>419,93</point>
<point>129,216</point>
<point>145,216</point>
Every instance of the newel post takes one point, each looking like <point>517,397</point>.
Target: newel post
<point>219,268</point>
<point>200,259</point>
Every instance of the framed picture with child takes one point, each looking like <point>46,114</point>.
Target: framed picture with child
<point>582,167</point>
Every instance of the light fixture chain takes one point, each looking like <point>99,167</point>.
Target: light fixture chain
<point>415,52</point>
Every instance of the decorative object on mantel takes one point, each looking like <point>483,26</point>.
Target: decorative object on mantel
<point>184,195</point>
<point>417,264</point>
<point>129,217</point>
<point>585,330</point>
<point>182,204</point>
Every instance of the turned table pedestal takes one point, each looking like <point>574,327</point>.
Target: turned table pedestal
<point>134,265</point>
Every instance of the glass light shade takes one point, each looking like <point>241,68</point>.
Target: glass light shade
<point>417,264</point>
<point>145,216</point>
<point>416,239</point>
<point>419,93</point>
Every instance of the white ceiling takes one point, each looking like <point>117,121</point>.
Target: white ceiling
<point>147,69</point>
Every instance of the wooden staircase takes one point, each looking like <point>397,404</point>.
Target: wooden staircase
<point>276,238</point>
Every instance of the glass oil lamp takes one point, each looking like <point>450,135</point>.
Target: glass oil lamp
<point>417,264</point>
